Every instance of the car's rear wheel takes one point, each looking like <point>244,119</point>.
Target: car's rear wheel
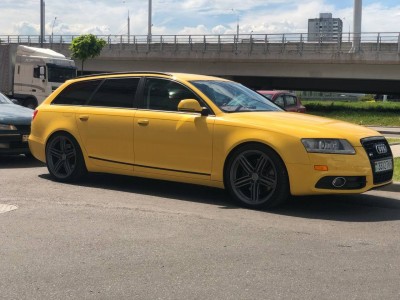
<point>256,177</point>
<point>64,158</point>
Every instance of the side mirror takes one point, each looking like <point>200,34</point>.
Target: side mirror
<point>42,73</point>
<point>192,105</point>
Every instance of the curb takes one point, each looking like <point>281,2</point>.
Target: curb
<point>392,187</point>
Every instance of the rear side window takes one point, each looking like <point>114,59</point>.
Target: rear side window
<point>116,92</point>
<point>77,93</point>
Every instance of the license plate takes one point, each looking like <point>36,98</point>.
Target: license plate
<point>383,165</point>
<point>25,137</point>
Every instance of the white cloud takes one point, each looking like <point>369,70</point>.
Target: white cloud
<point>26,28</point>
<point>200,29</point>
<point>105,17</point>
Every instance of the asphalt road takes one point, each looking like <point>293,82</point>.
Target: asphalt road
<point>115,237</point>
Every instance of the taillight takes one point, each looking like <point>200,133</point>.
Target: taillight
<point>34,114</point>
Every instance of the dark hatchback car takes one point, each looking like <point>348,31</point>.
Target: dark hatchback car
<point>286,100</point>
<point>15,126</point>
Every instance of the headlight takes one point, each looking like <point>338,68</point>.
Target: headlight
<point>335,146</point>
<point>7,127</point>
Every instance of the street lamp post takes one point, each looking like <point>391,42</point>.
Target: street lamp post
<point>237,23</point>
<point>52,27</point>
<point>348,23</point>
<point>129,24</point>
<point>129,27</point>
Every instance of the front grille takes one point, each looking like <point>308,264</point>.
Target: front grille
<point>377,149</point>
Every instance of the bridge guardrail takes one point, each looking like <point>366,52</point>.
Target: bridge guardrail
<point>301,42</point>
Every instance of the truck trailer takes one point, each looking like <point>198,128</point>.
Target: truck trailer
<point>30,74</point>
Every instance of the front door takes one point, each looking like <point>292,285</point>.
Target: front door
<point>168,142</point>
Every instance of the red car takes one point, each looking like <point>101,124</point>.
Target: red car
<point>287,100</point>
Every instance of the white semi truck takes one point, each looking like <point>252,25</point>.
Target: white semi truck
<point>30,74</point>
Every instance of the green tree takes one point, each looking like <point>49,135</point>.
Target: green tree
<point>86,46</point>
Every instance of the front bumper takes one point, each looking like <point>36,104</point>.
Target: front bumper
<point>345,174</point>
<point>14,141</point>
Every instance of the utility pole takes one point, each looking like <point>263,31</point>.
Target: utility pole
<point>42,27</point>
<point>357,14</point>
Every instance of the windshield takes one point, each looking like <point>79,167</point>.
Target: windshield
<point>233,97</point>
<point>4,99</point>
<point>60,74</point>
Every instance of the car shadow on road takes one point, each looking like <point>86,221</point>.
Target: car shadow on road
<point>19,162</point>
<point>157,188</point>
<point>344,208</point>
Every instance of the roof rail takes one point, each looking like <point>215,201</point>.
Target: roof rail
<point>126,73</point>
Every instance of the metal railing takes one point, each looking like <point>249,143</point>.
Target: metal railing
<point>374,41</point>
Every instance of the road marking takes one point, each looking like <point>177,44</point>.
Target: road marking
<point>7,207</point>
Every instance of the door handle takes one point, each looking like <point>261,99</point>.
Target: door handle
<point>84,117</point>
<point>143,122</point>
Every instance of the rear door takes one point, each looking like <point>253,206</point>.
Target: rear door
<point>105,123</point>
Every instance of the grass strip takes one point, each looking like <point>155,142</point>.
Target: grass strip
<point>396,175</point>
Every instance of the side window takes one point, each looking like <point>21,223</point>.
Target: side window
<point>36,72</point>
<point>116,92</point>
<point>279,101</point>
<point>77,93</point>
<point>162,94</point>
<point>39,70</point>
<point>290,100</point>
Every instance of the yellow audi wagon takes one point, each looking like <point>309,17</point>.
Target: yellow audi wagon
<point>203,130</point>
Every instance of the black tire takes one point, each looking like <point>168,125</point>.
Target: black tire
<point>256,177</point>
<point>64,158</point>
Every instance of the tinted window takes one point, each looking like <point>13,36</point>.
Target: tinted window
<point>290,100</point>
<point>77,93</point>
<point>118,92</point>
<point>161,94</point>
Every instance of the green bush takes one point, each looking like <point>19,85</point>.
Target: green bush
<point>367,98</point>
<point>359,106</point>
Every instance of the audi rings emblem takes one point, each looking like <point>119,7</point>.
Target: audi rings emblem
<point>381,148</point>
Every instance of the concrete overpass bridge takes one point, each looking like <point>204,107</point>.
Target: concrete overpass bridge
<point>279,61</point>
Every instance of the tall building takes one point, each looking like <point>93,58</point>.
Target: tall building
<point>325,28</point>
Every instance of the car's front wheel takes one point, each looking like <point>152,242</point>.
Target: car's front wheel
<point>64,158</point>
<point>256,177</point>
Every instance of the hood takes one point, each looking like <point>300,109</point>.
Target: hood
<point>301,125</point>
<point>13,114</point>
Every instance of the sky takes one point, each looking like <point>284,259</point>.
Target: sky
<point>184,17</point>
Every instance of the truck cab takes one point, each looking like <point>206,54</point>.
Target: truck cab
<point>38,72</point>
